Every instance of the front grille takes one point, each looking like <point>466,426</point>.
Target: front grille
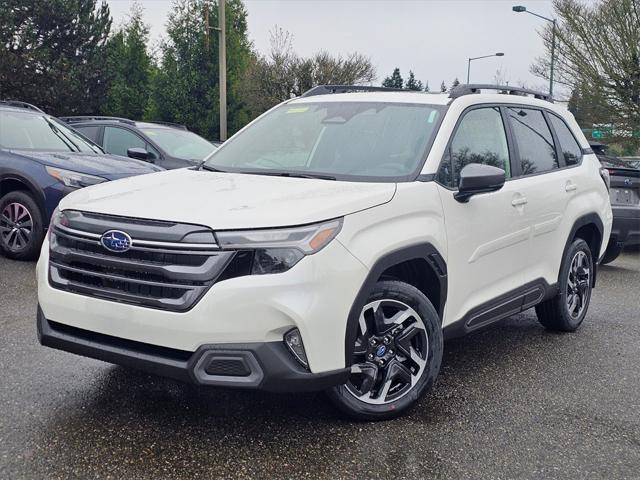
<point>170,275</point>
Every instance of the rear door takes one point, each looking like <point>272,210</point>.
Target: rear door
<point>549,181</point>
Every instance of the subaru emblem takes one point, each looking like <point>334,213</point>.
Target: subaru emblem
<point>381,351</point>
<point>116,241</point>
<point>627,182</point>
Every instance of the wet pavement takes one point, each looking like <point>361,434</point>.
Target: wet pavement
<point>513,401</point>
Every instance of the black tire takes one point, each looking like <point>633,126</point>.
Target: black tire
<point>614,249</point>
<point>400,338</point>
<point>29,227</point>
<point>559,313</point>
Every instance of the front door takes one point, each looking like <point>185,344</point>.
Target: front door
<point>487,237</point>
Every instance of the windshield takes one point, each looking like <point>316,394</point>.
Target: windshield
<point>29,131</point>
<point>180,144</point>
<point>344,140</point>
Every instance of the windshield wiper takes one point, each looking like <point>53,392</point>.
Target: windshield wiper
<point>294,175</point>
<point>308,175</point>
<point>204,166</point>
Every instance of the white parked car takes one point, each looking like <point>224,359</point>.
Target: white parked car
<point>333,244</point>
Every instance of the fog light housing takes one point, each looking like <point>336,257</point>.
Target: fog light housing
<point>293,341</point>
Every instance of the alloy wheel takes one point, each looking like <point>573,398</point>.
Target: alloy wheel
<point>578,284</point>
<point>390,353</point>
<point>16,226</point>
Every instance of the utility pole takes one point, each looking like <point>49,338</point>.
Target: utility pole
<point>222,55</point>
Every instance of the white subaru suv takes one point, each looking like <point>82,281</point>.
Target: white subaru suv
<point>333,243</point>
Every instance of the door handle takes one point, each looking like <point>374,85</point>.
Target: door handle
<point>517,202</point>
<point>570,186</point>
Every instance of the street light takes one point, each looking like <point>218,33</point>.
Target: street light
<point>520,9</point>
<point>499,54</point>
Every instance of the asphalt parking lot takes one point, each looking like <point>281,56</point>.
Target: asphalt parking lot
<point>513,401</point>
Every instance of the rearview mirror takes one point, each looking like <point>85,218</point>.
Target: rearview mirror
<point>478,178</point>
<point>139,154</point>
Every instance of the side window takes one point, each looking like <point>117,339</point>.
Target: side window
<point>534,140</point>
<point>118,140</point>
<point>90,132</point>
<point>479,138</point>
<point>571,151</point>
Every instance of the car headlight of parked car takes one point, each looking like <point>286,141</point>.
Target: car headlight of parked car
<point>277,250</point>
<point>74,179</point>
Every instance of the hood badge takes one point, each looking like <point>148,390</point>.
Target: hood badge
<point>116,241</point>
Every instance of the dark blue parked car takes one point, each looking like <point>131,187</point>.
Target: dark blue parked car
<point>41,160</point>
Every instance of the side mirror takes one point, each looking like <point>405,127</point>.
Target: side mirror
<point>139,154</point>
<point>477,178</point>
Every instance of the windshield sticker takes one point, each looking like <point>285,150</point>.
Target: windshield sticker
<point>298,110</point>
<point>432,116</point>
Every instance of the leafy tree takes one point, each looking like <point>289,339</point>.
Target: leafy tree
<point>130,69</point>
<point>394,81</point>
<point>53,53</point>
<point>443,87</point>
<point>185,88</point>
<point>599,46</point>
<point>412,83</point>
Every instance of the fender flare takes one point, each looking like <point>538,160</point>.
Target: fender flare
<point>424,251</point>
<point>588,219</point>
<point>31,187</point>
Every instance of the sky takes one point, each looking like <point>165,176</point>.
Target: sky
<point>434,38</point>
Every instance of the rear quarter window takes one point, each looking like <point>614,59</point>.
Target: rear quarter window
<point>571,150</point>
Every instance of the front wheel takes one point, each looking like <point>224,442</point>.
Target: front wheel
<point>396,356</point>
<point>21,226</point>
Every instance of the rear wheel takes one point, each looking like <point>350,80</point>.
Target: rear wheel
<point>566,311</point>
<point>21,226</point>
<point>614,249</point>
<point>397,354</point>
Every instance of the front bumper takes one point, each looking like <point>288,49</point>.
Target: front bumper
<point>315,296</point>
<point>267,366</point>
<point>626,225</point>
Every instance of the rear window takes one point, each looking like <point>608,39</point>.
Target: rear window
<point>570,149</point>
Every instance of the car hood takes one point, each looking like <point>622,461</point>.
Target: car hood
<point>111,167</point>
<point>229,200</point>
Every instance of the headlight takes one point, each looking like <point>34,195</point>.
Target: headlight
<point>74,179</point>
<point>277,250</point>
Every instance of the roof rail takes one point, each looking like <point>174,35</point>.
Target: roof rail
<point>329,89</point>
<point>462,90</point>
<point>83,118</point>
<point>169,124</point>
<point>19,104</point>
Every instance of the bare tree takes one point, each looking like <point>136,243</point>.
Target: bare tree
<point>282,73</point>
<point>599,45</point>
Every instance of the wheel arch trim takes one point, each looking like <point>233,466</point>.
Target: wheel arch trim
<point>31,187</point>
<point>422,251</point>
<point>588,219</point>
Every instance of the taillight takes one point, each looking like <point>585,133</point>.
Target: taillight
<point>606,177</point>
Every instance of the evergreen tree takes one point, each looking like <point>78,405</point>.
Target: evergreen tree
<point>412,83</point>
<point>185,88</point>
<point>426,87</point>
<point>130,68</point>
<point>455,83</point>
<point>443,87</point>
<point>52,53</point>
<point>395,80</point>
